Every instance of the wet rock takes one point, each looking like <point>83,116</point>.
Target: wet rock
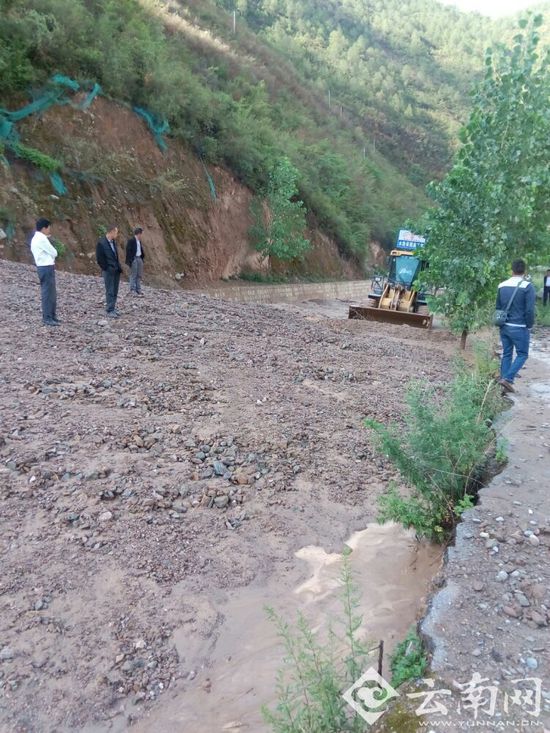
<point>531,663</point>
<point>533,540</point>
<point>501,576</point>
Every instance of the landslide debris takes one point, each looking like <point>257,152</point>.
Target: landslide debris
<point>149,463</point>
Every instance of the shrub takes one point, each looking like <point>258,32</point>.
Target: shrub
<point>409,660</point>
<point>279,232</point>
<point>34,156</point>
<point>439,451</point>
<point>310,689</point>
<point>59,247</point>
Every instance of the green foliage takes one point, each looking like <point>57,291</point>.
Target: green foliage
<point>543,315</point>
<point>494,205</point>
<point>317,672</point>
<point>235,100</point>
<point>279,231</point>
<point>40,160</point>
<point>397,81</point>
<point>60,247</point>
<point>438,451</point>
<point>409,660</point>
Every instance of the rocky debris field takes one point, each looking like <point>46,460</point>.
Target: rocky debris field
<point>150,462</point>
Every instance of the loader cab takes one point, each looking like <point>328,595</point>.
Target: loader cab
<point>404,268</point>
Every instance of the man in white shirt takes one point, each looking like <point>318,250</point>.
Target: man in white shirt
<point>44,254</point>
<point>546,286</point>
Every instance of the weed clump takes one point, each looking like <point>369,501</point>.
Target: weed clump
<point>409,660</point>
<point>441,449</point>
<point>317,672</point>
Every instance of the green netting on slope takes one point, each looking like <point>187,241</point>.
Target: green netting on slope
<point>55,93</point>
<point>157,127</point>
<point>57,183</point>
<point>92,94</point>
<point>210,181</point>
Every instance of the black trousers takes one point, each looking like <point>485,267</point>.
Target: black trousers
<point>46,275</point>
<point>111,278</point>
<point>545,295</point>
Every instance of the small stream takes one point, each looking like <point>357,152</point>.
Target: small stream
<point>238,675</point>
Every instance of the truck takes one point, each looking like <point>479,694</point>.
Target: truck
<point>393,298</point>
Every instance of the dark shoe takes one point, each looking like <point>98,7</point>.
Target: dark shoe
<point>112,314</point>
<point>57,321</point>
<point>505,384</point>
<point>50,322</point>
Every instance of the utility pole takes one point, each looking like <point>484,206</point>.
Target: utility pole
<point>329,98</point>
<point>234,22</point>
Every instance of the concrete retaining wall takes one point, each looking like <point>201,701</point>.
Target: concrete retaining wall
<point>291,292</point>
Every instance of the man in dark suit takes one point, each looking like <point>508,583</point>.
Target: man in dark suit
<point>134,259</point>
<point>107,259</point>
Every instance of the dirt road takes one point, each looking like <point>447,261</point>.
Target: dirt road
<point>155,467</point>
<point>491,618</point>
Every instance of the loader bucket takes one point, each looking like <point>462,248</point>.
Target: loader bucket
<point>384,315</point>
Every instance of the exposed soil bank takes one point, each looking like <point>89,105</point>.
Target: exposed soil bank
<point>492,615</point>
<point>116,174</point>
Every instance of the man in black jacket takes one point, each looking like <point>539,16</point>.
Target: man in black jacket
<point>107,259</point>
<point>518,295</point>
<point>134,259</point>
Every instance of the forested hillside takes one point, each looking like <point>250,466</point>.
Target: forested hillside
<point>364,97</point>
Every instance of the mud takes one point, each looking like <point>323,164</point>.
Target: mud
<point>159,469</point>
<point>393,574</point>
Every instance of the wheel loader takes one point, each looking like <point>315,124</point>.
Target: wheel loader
<point>392,298</point>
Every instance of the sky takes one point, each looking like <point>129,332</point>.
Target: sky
<point>494,8</point>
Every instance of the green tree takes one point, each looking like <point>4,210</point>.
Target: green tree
<point>494,205</point>
<point>279,230</point>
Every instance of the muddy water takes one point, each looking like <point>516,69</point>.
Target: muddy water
<point>237,670</point>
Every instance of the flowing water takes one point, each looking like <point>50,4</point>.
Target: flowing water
<point>238,670</point>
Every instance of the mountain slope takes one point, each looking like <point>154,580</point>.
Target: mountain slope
<point>364,97</point>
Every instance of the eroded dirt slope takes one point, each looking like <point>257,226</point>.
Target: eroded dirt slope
<point>115,173</point>
<point>151,463</point>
